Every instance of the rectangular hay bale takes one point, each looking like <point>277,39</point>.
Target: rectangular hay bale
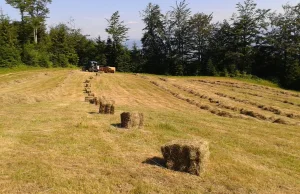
<point>186,156</point>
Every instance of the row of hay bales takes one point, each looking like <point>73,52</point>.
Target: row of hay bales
<point>185,156</point>
<point>107,106</point>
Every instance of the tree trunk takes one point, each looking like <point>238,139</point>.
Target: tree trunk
<point>35,35</point>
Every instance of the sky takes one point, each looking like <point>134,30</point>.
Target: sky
<point>89,15</point>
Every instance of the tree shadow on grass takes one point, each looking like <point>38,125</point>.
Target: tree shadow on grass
<point>156,161</point>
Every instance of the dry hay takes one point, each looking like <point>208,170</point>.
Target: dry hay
<point>211,100</point>
<point>91,77</point>
<point>163,79</point>
<point>91,94</point>
<point>132,120</point>
<point>250,87</point>
<point>253,114</point>
<point>287,102</point>
<point>88,90</point>
<point>222,113</point>
<point>88,98</point>
<point>96,101</point>
<point>97,74</point>
<point>87,81</point>
<point>187,156</point>
<point>192,102</point>
<point>106,106</point>
<point>88,85</point>
<point>280,121</point>
<point>271,109</point>
<point>274,110</point>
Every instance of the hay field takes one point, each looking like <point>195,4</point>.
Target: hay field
<point>51,141</point>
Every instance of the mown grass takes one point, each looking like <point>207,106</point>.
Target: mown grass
<point>62,146</point>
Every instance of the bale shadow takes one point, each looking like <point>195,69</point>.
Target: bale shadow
<point>156,161</point>
<point>93,113</point>
<point>117,125</point>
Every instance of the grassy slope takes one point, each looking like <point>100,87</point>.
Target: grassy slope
<point>53,142</point>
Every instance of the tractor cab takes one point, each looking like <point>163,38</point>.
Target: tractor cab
<point>92,66</point>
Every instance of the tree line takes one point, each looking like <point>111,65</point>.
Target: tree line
<point>254,41</point>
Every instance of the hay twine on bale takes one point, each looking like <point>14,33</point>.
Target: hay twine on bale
<point>187,156</point>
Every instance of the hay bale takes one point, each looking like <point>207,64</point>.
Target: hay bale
<point>96,101</point>
<point>88,98</point>
<point>112,109</point>
<point>132,120</point>
<point>88,90</point>
<point>106,106</point>
<point>186,156</point>
<point>102,107</point>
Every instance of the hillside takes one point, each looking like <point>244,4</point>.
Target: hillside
<point>51,141</point>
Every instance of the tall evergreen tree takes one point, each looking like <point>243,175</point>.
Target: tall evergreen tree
<point>249,26</point>
<point>201,28</point>
<point>154,49</point>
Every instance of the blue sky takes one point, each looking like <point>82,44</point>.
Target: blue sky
<point>89,15</point>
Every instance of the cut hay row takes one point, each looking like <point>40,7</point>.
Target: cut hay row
<point>223,105</point>
<point>271,109</point>
<point>249,87</point>
<point>163,79</point>
<point>248,93</point>
<point>242,111</point>
<point>199,105</point>
<point>288,102</point>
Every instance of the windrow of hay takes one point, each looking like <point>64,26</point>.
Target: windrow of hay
<point>248,87</point>
<point>211,100</point>
<point>288,102</point>
<point>193,102</point>
<point>253,114</point>
<point>163,79</point>
<point>218,112</point>
<point>240,110</point>
<point>274,110</point>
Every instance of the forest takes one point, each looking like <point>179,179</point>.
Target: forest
<point>254,42</point>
